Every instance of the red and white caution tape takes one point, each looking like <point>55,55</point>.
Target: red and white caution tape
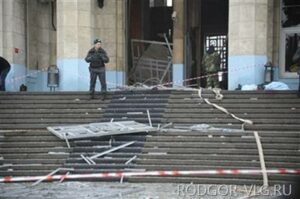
<point>148,173</point>
<point>236,69</point>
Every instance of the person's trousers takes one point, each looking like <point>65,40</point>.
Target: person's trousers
<point>212,81</point>
<point>3,75</point>
<point>299,84</point>
<point>100,73</point>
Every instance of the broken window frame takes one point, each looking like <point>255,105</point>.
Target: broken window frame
<point>219,41</point>
<point>99,129</point>
<point>147,70</point>
<point>160,3</point>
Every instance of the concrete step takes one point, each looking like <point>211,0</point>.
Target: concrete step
<point>99,161</point>
<point>107,143</point>
<point>232,120</point>
<point>107,166</point>
<point>133,114</point>
<point>26,132</point>
<point>203,180</point>
<point>233,151</point>
<point>52,111</point>
<point>33,161</point>
<point>133,109</point>
<point>139,101</point>
<point>95,150</point>
<point>228,133</point>
<point>50,120</point>
<point>19,150</point>
<point>206,139</point>
<point>145,106</point>
<point>32,144</point>
<point>237,106</point>
<point>50,116</point>
<point>237,126</point>
<point>211,110</point>
<point>47,101</point>
<point>40,172</point>
<point>218,157</point>
<point>241,115</point>
<point>116,154</point>
<point>224,163</point>
<point>39,156</point>
<point>223,145</point>
<point>38,166</point>
<point>238,94</point>
<point>183,167</point>
<point>253,100</point>
<point>52,106</point>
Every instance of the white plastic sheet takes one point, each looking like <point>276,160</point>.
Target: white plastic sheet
<point>277,86</point>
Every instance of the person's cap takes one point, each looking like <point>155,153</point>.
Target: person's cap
<point>97,41</point>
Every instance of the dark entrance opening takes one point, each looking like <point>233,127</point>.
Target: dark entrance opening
<point>206,24</point>
<point>149,23</point>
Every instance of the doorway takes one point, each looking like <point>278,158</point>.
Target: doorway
<point>149,38</point>
<point>206,24</point>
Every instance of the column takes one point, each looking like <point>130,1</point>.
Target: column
<point>178,40</point>
<point>75,19</point>
<point>13,48</point>
<point>110,28</point>
<point>248,41</point>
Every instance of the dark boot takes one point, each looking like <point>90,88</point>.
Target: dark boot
<point>103,95</point>
<point>92,94</point>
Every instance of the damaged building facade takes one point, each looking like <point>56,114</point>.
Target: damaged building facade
<point>160,40</point>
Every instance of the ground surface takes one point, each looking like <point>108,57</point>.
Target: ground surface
<point>109,190</point>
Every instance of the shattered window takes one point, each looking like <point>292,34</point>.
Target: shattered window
<point>292,50</point>
<point>290,13</point>
<point>160,3</point>
<point>220,44</point>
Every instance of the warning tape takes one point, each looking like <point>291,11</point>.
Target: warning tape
<point>148,173</point>
<point>21,77</point>
<point>236,69</point>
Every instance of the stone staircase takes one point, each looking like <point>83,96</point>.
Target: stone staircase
<point>39,110</point>
<point>276,118</point>
<point>123,106</point>
<point>27,148</point>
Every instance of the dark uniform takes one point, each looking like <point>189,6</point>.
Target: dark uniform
<point>97,60</point>
<point>4,69</point>
<point>296,60</point>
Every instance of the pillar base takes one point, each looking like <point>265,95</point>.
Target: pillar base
<point>245,69</point>
<point>177,75</point>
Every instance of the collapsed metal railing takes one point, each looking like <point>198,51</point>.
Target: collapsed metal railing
<point>151,61</point>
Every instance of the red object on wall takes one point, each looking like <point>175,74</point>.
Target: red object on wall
<point>17,50</point>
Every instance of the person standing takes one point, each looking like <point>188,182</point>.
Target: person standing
<point>97,57</point>
<point>4,69</point>
<point>211,62</point>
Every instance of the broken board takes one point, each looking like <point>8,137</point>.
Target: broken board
<point>99,129</point>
